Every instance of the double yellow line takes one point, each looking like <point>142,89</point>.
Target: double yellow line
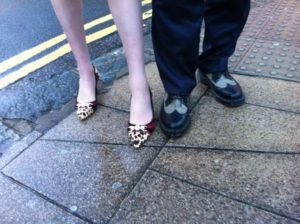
<point>61,51</point>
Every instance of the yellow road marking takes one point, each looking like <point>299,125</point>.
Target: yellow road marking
<point>33,66</point>
<point>25,55</point>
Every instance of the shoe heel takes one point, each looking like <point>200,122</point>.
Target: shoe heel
<point>85,110</point>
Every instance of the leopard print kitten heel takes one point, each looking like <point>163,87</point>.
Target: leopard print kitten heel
<point>139,134</point>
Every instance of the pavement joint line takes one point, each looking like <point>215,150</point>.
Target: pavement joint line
<point>262,106</point>
<point>56,54</point>
<point>113,108</point>
<point>121,110</point>
<point>138,180</point>
<point>205,148</point>
<point>235,72</point>
<point>49,200</point>
<point>268,18</point>
<point>246,52</point>
<point>198,100</point>
<point>37,49</point>
<point>265,23</point>
<point>273,108</point>
<point>16,156</point>
<point>98,143</point>
<point>224,195</point>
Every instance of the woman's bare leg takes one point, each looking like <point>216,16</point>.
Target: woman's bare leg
<point>128,18</point>
<point>69,13</point>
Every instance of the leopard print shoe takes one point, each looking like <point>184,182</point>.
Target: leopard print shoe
<point>139,134</point>
<point>85,110</point>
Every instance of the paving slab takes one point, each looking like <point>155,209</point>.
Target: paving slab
<point>279,94</point>
<point>161,199</point>
<point>21,206</point>
<point>269,181</point>
<point>272,59</point>
<point>49,120</point>
<point>119,95</point>
<point>106,125</point>
<point>258,17</point>
<point>247,128</point>
<point>242,47</point>
<point>18,147</point>
<point>283,25</point>
<point>89,179</point>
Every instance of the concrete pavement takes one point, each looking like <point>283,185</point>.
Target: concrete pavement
<point>235,165</point>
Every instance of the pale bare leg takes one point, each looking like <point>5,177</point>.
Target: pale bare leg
<point>69,13</point>
<point>128,18</point>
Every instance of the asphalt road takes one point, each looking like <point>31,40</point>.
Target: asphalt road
<point>27,23</point>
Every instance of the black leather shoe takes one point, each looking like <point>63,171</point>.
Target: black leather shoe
<point>174,115</point>
<point>225,88</point>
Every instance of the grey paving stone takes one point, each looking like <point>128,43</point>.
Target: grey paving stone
<point>273,93</point>
<point>242,47</point>
<point>258,17</point>
<point>47,121</point>
<point>261,2</point>
<point>283,25</point>
<point>272,59</point>
<point>18,147</point>
<point>119,95</point>
<point>106,125</point>
<point>91,179</point>
<point>247,127</point>
<point>161,199</point>
<point>23,207</point>
<point>269,181</point>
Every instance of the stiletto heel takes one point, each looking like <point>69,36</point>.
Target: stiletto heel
<point>139,134</point>
<point>85,110</point>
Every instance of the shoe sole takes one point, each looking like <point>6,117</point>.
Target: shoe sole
<point>229,103</point>
<point>175,133</point>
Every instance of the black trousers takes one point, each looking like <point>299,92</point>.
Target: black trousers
<point>176,26</point>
